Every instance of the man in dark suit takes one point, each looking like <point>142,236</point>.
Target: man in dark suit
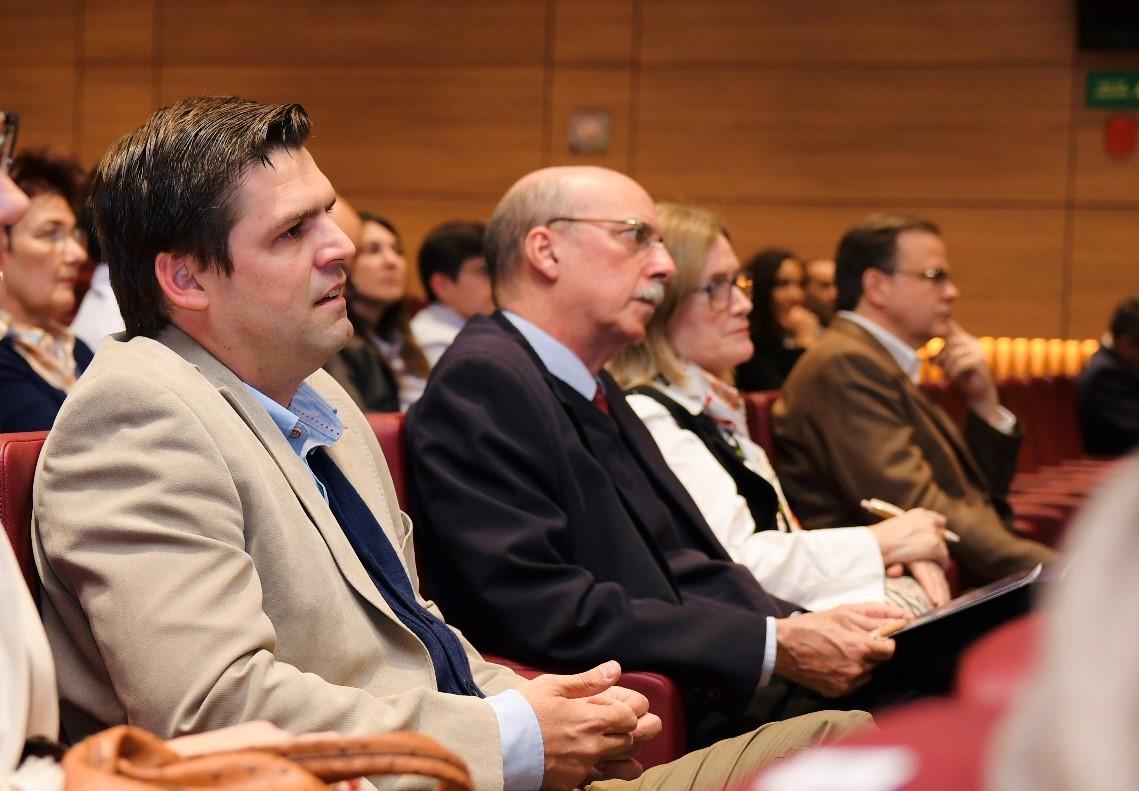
<point>553,530</point>
<point>852,422</point>
<point>1107,390</point>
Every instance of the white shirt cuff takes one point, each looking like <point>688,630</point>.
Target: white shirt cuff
<point>523,754</point>
<point>768,654</point>
<point>1004,421</point>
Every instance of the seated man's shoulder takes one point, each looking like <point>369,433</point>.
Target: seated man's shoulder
<point>483,349</point>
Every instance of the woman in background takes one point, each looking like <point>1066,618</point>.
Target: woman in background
<point>679,389</point>
<point>781,326</point>
<point>40,358</point>
<point>382,368</point>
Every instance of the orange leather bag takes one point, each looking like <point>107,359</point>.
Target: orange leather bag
<point>125,758</point>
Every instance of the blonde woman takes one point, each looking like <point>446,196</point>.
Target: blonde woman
<point>678,383</point>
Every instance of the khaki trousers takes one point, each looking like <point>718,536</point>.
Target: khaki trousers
<point>731,762</point>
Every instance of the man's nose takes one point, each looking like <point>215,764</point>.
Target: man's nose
<point>662,266</point>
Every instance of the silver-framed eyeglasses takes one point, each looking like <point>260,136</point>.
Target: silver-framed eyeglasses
<point>934,274</point>
<point>720,290</point>
<point>643,235</point>
<point>9,129</point>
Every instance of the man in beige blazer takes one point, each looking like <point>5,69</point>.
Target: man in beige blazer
<point>852,422</point>
<point>199,565</point>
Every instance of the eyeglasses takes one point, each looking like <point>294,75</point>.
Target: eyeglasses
<point>9,127</point>
<point>57,236</point>
<point>935,275</point>
<point>639,232</point>
<point>720,290</point>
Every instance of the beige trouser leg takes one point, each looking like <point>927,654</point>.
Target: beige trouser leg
<point>729,763</point>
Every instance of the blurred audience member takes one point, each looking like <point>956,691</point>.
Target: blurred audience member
<point>853,423</point>
<point>696,336</point>
<point>781,327</point>
<point>452,268</point>
<point>819,291</point>
<point>382,367</point>
<point>1107,390</point>
<point>40,358</point>
<point>1076,721</point>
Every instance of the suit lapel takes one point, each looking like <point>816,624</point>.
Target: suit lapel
<point>296,473</point>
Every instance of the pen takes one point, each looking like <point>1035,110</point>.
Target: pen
<point>887,510</point>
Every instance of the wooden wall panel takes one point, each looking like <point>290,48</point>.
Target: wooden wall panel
<point>396,33</point>
<point>119,31</point>
<point>45,98</point>
<point>446,131</point>
<point>1099,176</point>
<point>855,134</point>
<point>593,31</point>
<point>42,32</point>
<point>1006,262</point>
<point>115,100</point>
<point>1105,267</point>
<point>867,31</point>
<point>576,89</point>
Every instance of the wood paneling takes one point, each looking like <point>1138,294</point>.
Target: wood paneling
<point>115,100</point>
<point>795,117</point>
<point>1105,267</point>
<point>119,30</point>
<point>593,31</point>
<point>450,131</point>
<point>45,98</point>
<point>855,134</point>
<point>867,31</point>
<point>575,89</point>
<point>396,33</point>
<point>40,32</point>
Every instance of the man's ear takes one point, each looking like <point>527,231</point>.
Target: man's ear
<point>178,278</point>
<point>538,251</point>
<point>441,287</point>
<point>874,283</point>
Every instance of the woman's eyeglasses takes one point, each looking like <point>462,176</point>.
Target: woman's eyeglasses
<point>719,291</point>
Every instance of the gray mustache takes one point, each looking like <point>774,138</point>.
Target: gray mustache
<point>653,293</point>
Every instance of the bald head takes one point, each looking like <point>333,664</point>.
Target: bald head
<point>533,201</point>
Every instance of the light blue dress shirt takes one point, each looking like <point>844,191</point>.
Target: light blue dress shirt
<point>569,368</point>
<point>310,422</point>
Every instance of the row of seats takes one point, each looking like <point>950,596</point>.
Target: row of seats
<point>1011,357</point>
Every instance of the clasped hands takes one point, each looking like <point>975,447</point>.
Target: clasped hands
<point>917,540</point>
<point>591,728</point>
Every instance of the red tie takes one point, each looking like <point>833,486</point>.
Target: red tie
<point>599,399</point>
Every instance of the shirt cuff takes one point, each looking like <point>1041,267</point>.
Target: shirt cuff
<point>768,654</point>
<point>523,754</point>
<point>1004,421</point>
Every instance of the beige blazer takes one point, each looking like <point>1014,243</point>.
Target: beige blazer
<point>852,425</point>
<point>194,576</point>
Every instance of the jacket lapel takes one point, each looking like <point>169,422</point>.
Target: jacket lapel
<point>296,473</point>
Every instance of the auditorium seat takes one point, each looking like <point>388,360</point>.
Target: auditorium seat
<point>994,668</point>
<point>664,696</point>
<point>758,408</point>
<point>18,456</point>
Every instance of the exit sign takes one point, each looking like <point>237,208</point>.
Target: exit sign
<point>1113,90</point>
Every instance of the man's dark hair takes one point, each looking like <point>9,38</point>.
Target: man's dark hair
<point>42,173</point>
<point>1125,320</point>
<point>445,249</point>
<point>168,186</point>
<point>872,244</point>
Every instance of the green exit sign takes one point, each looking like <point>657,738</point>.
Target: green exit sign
<point>1113,90</point>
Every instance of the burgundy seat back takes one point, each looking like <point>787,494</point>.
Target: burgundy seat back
<point>1018,395</point>
<point>758,406</point>
<point>390,431</point>
<point>18,456</point>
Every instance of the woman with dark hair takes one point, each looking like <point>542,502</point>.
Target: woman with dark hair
<point>40,358</point>
<point>781,327</point>
<point>382,368</point>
